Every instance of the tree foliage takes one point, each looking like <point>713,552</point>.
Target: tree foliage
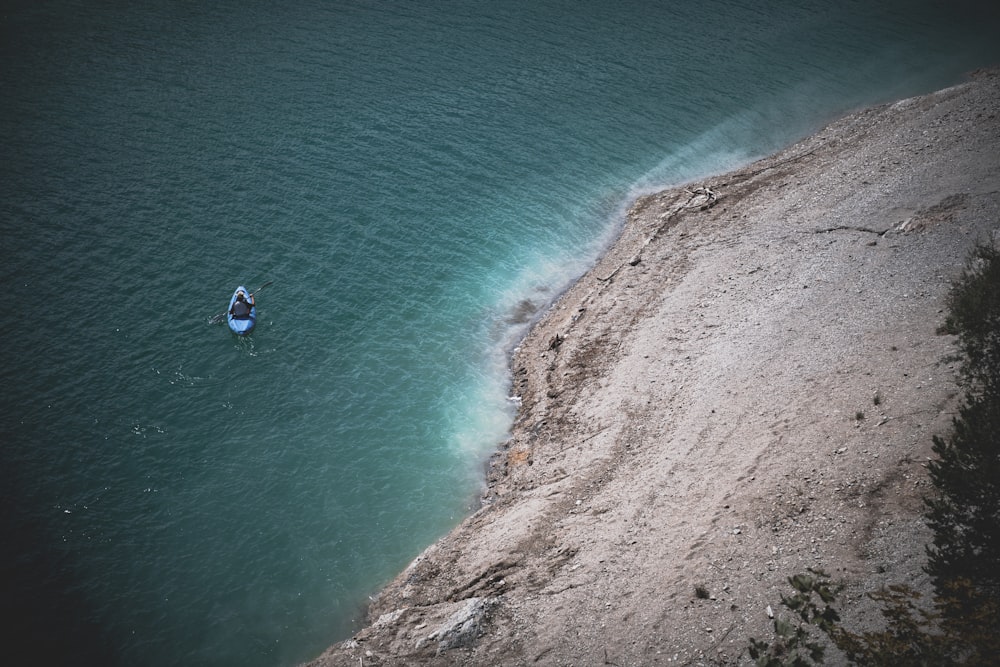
<point>964,514</point>
<point>909,638</point>
<point>795,644</point>
<point>974,315</point>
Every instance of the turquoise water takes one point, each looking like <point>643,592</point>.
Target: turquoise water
<point>411,177</point>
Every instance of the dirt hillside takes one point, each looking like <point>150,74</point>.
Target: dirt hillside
<point>746,385</point>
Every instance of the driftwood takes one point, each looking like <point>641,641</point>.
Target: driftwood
<point>702,198</point>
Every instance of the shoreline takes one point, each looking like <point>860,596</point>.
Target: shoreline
<point>744,385</point>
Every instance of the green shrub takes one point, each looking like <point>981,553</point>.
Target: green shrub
<point>964,514</point>
<point>909,638</point>
<point>974,315</point>
<point>795,644</point>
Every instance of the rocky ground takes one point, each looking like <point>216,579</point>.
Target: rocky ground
<point>745,386</point>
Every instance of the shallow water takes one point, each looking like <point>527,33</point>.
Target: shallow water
<point>417,180</point>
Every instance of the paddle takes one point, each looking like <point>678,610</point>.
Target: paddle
<point>221,316</point>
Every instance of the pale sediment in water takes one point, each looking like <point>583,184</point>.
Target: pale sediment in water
<point>698,413</point>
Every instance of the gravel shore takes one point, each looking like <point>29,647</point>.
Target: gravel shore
<point>745,385</point>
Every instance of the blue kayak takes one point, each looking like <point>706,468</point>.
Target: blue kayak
<point>243,319</point>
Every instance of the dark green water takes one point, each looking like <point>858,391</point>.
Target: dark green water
<point>408,175</point>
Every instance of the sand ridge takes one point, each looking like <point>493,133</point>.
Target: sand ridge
<point>745,385</point>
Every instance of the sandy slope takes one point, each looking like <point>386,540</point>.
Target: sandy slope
<point>746,385</point>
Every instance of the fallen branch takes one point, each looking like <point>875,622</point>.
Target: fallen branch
<point>848,228</point>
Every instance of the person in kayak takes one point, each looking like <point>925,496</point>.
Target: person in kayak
<point>241,307</point>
